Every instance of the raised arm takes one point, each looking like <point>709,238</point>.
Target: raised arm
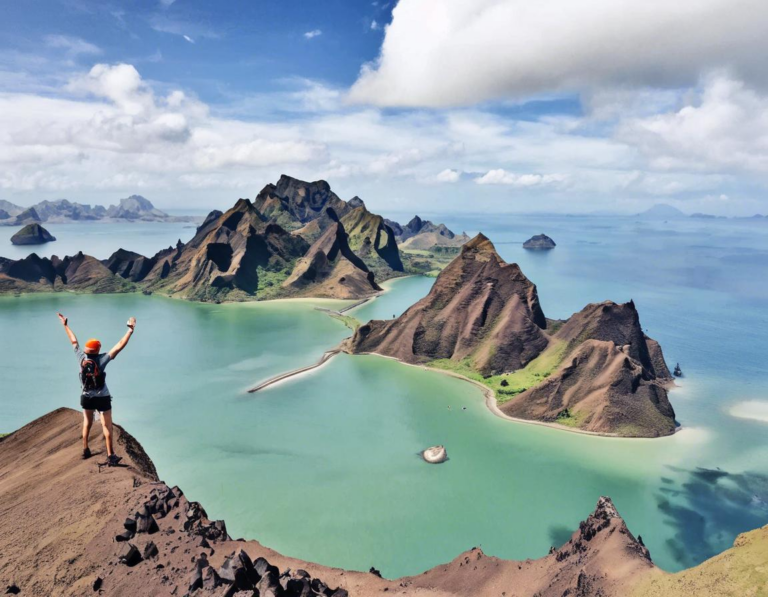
<point>124,340</point>
<point>70,333</point>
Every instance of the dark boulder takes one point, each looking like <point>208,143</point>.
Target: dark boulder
<point>129,555</point>
<point>150,551</point>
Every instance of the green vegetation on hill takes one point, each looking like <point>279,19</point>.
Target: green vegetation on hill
<point>508,385</point>
<point>428,262</point>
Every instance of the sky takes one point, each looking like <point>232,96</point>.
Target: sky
<point>569,106</point>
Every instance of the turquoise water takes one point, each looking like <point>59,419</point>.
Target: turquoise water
<point>100,239</point>
<point>325,466</point>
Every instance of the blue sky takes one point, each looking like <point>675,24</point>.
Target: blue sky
<point>429,105</point>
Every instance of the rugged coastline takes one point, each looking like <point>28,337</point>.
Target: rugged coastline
<point>596,371</point>
<point>66,512</point>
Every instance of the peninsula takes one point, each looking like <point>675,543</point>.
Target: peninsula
<point>596,372</point>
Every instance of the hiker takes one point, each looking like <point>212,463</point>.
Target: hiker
<point>95,394</point>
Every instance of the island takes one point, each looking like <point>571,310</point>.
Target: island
<point>295,239</point>
<point>596,372</point>
<point>539,242</point>
<point>129,209</point>
<point>32,234</point>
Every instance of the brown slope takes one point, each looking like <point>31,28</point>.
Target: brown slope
<point>480,308</point>
<point>613,378</point>
<point>60,516</point>
<point>332,269</point>
<point>235,255</point>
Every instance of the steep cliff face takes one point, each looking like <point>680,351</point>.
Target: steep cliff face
<point>373,241</point>
<point>235,255</point>
<point>480,309</point>
<point>597,371</point>
<point>331,268</point>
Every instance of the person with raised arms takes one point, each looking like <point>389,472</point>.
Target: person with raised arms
<point>95,395</point>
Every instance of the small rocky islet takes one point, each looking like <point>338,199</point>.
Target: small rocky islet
<point>32,234</point>
<point>539,242</point>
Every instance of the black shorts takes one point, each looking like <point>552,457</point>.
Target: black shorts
<point>100,403</point>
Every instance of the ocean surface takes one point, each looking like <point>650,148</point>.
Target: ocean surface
<point>325,466</point>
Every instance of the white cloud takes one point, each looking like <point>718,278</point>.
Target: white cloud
<point>722,127</point>
<point>73,46</point>
<point>502,177</point>
<point>375,25</point>
<point>189,39</point>
<point>454,52</point>
<point>110,128</point>
<point>448,175</point>
<point>166,3</point>
<point>313,33</point>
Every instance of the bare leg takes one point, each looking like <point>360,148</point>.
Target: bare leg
<point>87,423</point>
<point>106,424</point>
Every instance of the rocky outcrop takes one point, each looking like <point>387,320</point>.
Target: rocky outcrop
<point>129,265</point>
<point>331,268</point>
<point>294,203</point>
<point>424,235</point>
<point>603,374</point>
<point>373,241</point>
<point>32,234</point>
<point>238,254</point>
<point>539,242</point>
<point>480,310</point>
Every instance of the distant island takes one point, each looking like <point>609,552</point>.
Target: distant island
<point>32,234</point>
<point>133,208</point>
<point>539,242</point>
<point>595,372</point>
<point>294,239</point>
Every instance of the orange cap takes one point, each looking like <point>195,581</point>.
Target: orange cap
<point>93,346</point>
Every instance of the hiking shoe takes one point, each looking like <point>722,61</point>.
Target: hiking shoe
<point>113,460</point>
<point>86,453</point>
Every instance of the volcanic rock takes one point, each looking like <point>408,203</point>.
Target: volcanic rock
<point>539,242</point>
<point>32,234</point>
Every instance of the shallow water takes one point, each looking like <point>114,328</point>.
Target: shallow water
<point>325,466</point>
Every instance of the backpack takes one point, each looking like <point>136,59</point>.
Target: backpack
<point>91,375</point>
